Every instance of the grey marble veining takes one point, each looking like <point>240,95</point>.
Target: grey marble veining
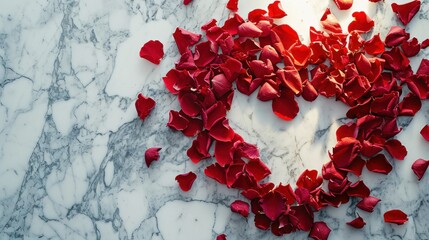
<point>72,148</point>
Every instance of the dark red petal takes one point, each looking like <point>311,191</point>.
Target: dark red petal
<point>176,121</point>
<point>275,10</point>
<point>184,39</point>
<point>258,169</point>
<point>262,221</point>
<point>319,231</point>
<point>189,104</point>
<point>214,114</point>
<point>186,2</point>
<point>379,164</point>
<point>290,77</point>
<point>144,106</point>
<point>357,222</point>
<point>395,148</point>
<point>425,43</point>
<point>303,217</point>
<point>285,106</point>
<point>216,172</point>
<point>240,207</point>
<point>405,12</point>
<point>273,205</point>
<point>396,36</point>
<point>186,180</point>
<point>151,154</point>
<point>330,22</point>
<point>195,126</point>
<point>205,53</point>
<point>267,92</point>
<point>358,189</point>
<point>419,167</point>
<point>368,203</point>
<point>221,237</point>
<point>221,131</point>
<point>309,179</point>
<point>374,46</point>
<point>345,152</point>
<point>232,5</point>
<point>411,48</point>
<point>395,216</point>
<point>423,68</point>
<point>287,192</point>
<point>361,23</point>
<point>410,105</point>
<point>152,51</point>
<point>425,132</point>
<point>343,4</point>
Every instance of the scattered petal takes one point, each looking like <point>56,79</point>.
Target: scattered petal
<point>357,222</point>
<point>419,167</point>
<point>379,164</point>
<point>320,231</point>
<point>151,154</point>
<point>368,203</point>
<point>275,10</point>
<point>395,216</point>
<point>232,5</point>
<point>186,180</point>
<point>425,132</point>
<point>240,207</point>
<point>343,4</point>
<point>405,12</point>
<point>395,148</point>
<point>144,106</point>
<point>152,51</point>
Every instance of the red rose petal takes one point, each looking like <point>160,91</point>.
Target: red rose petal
<point>425,132</point>
<point>189,104</point>
<point>268,92</point>
<point>186,180</point>
<point>273,205</point>
<point>195,126</point>
<point>151,154</point>
<point>374,46</point>
<point>358,189</point>
<point>184,39</point>
<point>319,231</point>
<point>357,222</point>
<point>425,43</point>
<point>290,77</point>
<point>419,167</point>
<point>346,130</point>
<point>221,131</point>
<point>395,148</point>
<point>144,106</point>
<point>232,5</point>
<point>379,164</point>
<point>240,207</point>
<point>262,221</point>
<point>249,29</point>
<point>186,2</point>
<point>330,22</point>
<point>361,23</point>
<point>411,48</point>
<point>152,51</point>
<point>275,10</point>
<point>177,121</point>
<point>368,203</point>
<point>309,180</point>
<point>287,35</point>
<point>216,172</point>
<point>396,36</point>
<point>285,106</point>
<point>395,216</point>
<point>410,105</point>
<point>343,4</point>
<point>221,237</point>
<point>405,12</point>
<point>200,148</point>
<point>258,169</point>
<point>345,152</point>
<point>303,217</point>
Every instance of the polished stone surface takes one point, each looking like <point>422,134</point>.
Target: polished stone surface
<point>72,147</point>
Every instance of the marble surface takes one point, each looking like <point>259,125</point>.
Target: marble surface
<point>72,147</point>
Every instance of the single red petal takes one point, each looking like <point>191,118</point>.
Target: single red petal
<point>343,4</point>
<point>151,154</point>
<point>357,222</point>
<point>195,126</point>
<point>290,77</point>
<point>345,151</point>
<point>395,148</point>
<point>268,92</point>
<point>379,164</point>
<point>330,22</point>
<point>176,121</point>
<point>374,46</point>
<point>309,179</point>
<point>361,23</point>
<point>405,12</point>
<point>186,2</point>
<point>395,216</point>
<point>396,36</point>
<point>287,36</point>
<point>200,147</point>
<point>256,15</point>
<point>309,93</point>
<point>368,203</point>
<point>221,237</point>
<point>273,205</point>
<point>258,169</point>
<point>249,29</point>
<point>287,192</point>
<point>319,231</point>
<point>425,43</point>
<point>411,48</point>
<point>186,180</point>
<point>358,189</point>
<point>144,106</point>
<point>425,132</point>
<point>346,130</point>
<point>221,131</point>
<point>285,106</point>
<point>214,114</point>
<point>184,39</point>
<point>410,105</point>
<point>216,172</point>
<point>423,67</point>
<point>240,207</point>
<point>152,51</point>
<point>189,104</point>
<point>205,53</point>
<point>275,10</point>
<point>232,5</point>
<point>419,167</point>
<point>262,221</point>
<point>302,217</point>
<point>300,54</point>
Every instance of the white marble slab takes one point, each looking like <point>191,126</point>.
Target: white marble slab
<point>71,146</point>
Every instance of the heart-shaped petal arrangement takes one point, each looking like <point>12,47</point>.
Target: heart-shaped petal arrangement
<point>365,73</point>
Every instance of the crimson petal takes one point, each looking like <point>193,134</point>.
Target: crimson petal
<point>186,180</point>
<point>275,10</point>
<point>395,148</point>
<point>319,231</point>
<point>419,167</point>
<point>395,216</point>
<point>285,106</point>
<point>425,132</point>
<point>151,154</point>
<point>405,12</point>
<point>144,106</point>
<point>357,222</point>
<point>379,164</point>
<point>152,51</point>
<point>240,207</point>
<point>368,203</point>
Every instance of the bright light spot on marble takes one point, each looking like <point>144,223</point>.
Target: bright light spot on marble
<point>133,208</point>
